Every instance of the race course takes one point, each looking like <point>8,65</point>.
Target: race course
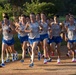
<point>66,67</point>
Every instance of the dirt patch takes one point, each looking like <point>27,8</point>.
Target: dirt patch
<point>66,67</point>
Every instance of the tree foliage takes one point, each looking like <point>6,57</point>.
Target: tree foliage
<point>16,7</point>
<point>37,7</point>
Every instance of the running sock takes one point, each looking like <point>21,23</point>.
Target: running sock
<point>32,58</point>
<point>12,54</point>
<point>23,54</point>
<point>7,56</point>
<point>68,54</point>
<point>16,56</point>
<point>2,61</point>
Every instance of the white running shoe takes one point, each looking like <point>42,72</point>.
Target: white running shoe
<point>45,61</point>
<point>73,60</point>
<point>2,64</point>
<point>16,56</point>
<point>7,60</point>
<point>31,65</point>
<point>58,61</point>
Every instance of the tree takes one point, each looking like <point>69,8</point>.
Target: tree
<point>38,7</point>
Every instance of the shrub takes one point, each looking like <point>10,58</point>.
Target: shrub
<point>37,7</point>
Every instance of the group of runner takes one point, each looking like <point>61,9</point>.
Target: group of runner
<point>37,34</point>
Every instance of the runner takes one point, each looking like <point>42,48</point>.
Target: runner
<point>13,53</point>
<point>71,37</point>
<point>8,39</point>
<point>50,45</point>
<point>56,31</point>
<point>34,36</point>
<point>20,27</point>
<point>44,35</point>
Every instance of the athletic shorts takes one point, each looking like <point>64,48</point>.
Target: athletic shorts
<point>23,39</point>
<point>71,41</point>
<point>31,41</point>
<point>8,42</point>
<point>49,41</point>
<point>43,36</point>
<point>57,39</point>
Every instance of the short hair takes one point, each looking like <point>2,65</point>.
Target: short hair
<point>56,15</point>
<point>44,13</point>
<point>27,16</point>
<point>72,16</point>
<point>22,15</point>
<point>67,14</point>
<point>38,14</point>
<point>32,13</point>
<point>5,14</point>
<point>6,17</point>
